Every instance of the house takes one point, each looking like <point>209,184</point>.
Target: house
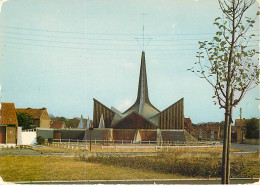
<point>240,129</point>
<point>40,116</point>
<point>240,125</point>
<point>8,124</point>
<point>207,131</point>
<point>57,124</point>
<point>188,125</point>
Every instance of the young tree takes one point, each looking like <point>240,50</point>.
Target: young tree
<point>25,120</point>
<point>229,64</point>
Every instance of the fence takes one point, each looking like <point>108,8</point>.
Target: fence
<point>125,144</point>
<point>156,147</point>
<point>68,143</point>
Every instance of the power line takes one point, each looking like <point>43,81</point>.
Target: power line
<point>84,43</point>
<point>64,42</point>
<point>171,52</point>
<point>85,48</point>
<point>109,34</point>
<point>64,47</point>
<point>95,39</point>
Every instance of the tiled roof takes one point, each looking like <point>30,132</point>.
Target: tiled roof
<point>57,124</point>
<point>8,114</point>
<point>35,113</point>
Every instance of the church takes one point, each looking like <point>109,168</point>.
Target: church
<point>142,121</point>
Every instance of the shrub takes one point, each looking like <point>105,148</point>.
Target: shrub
<point>50,140</point>
<point>169,163</point>
<point>252,129</point>
<point>40,140</point>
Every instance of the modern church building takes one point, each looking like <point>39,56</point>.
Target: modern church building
<point>142,121</point>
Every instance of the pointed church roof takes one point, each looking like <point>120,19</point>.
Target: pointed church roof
<point>101,122</point>
<point>142,94</point>
<point>88,123</point>
<point>81,123</point>
<point>142,104</point>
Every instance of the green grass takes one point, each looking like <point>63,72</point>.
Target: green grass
<point>39,168</point>
<point>169,164</point>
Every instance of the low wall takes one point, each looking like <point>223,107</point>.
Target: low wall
<point>19,135</point>
<point>251,141</point>
<point>28,138</point>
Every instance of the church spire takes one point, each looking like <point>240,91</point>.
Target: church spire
<point>142,99</point>
<point>142,94</point>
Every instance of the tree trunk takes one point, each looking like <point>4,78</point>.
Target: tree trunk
<point>229,139</point>
<point>225,157</point>
<point>228,152</point>
<point>225,147</point>
<point>225,179</point>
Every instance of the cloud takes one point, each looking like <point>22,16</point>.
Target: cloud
<point>196,0</point>
<point>173,26</point>
<point>1,3</point>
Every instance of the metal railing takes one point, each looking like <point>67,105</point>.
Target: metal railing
<point>164,143</point>
<point>130,144</point>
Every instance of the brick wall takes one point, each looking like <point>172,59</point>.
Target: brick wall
<point>11,134</point>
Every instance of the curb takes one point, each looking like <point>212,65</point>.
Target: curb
<point>132,180</point>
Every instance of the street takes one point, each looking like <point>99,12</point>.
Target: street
<point>246,147</point>
<point>147,181</point>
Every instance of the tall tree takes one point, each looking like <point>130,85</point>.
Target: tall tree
<point>229,65</point>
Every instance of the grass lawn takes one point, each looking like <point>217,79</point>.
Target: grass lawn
<point>38,168</point>
<point>190,165</point>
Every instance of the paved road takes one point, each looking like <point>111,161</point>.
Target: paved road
<point>18,151</point>
<point>31,152</point>
<point>246,147</point>
<point>151,181</point>
<point>248,150</point>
